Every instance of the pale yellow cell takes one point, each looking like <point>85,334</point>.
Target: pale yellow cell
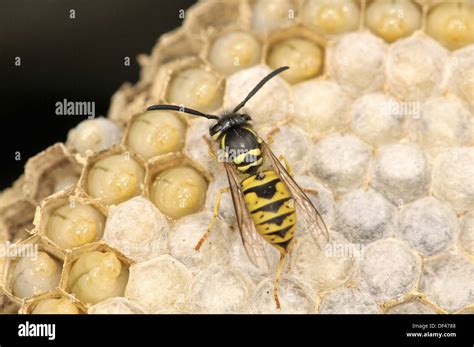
<point>55,306</point>
<point>392,20</point>
<point>75,225</point>
<point>196,88</point>
<point>452,24</point>
<point>155,133</point>
<point>270,14</point>
<point>35,275</point>
<point>331,16</point>
<point>179,191</point>
<point>115,179</point>
<point>234,51</point>
<point>302,56</point>
<point>97,276</point>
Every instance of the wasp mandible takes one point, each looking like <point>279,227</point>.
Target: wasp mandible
<point>265,199</point>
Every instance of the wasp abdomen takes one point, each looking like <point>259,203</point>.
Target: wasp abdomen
<point>272,208</point>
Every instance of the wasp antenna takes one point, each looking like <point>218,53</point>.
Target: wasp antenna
<point>260,85</point>
<point>182,109</point>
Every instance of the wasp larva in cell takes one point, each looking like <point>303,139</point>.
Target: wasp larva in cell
<point>452,24</point>
<point>155,133</point>
<point>196,88</point>
<point>55,306</point>
<point>96,276</point>
<point>179,191</point>
<point>37,275</point>
<point>271,14</point>
<point>234,51</point>
<point>331,16</point>
<point>392,20</point>
<point>94,135</point>
<point>115,179</point>
<point>74,226</point>
<point>304,58</point>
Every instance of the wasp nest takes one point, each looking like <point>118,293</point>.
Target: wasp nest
<point>375,115</point>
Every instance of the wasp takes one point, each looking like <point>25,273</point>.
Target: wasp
<point>265,199</point>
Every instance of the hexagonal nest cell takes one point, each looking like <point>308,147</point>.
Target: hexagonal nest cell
<point>375,114</point>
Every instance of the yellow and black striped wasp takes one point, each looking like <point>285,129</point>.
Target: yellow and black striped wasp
<point>265,198</point>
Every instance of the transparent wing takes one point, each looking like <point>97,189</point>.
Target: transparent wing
<point>252,240</point>
<point>307,210</point>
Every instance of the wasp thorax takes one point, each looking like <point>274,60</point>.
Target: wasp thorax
<point>331,17</point>
<point>196,88</point>
<point>269,14</point>
<point>302,56</point>
<point>55,306</point>
<point>452,24</point>
<point>234,51</point>
<point>155,133</point>
<point>115,179</point>
<point>179,191</point>
<point>96,276</point>
<point>75,225</point>
<point>36,275</point>
<point>393,19</point>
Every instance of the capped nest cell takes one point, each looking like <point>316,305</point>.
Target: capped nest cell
<point>375,116</point>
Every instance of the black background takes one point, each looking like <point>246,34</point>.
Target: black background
<point>79,59</point>
<point>240,330</point>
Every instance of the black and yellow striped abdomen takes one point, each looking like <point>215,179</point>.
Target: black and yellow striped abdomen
<point>272,208</point>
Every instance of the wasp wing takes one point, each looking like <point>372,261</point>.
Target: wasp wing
<point>308,211</point>
<point>252,240</point>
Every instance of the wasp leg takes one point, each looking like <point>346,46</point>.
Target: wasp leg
<point>217,203</point>
<point>282,158</point>
<point>281,266</point>
<point>270,138</point>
